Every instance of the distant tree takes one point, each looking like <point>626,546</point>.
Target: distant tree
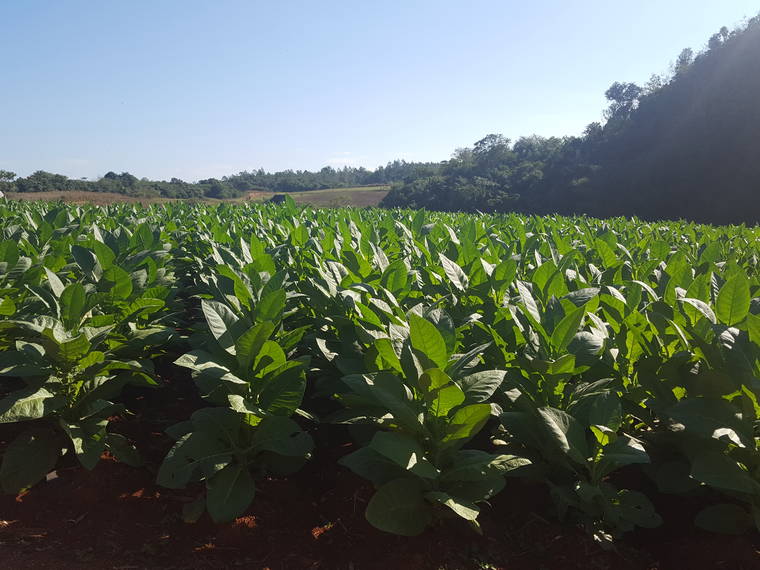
<point>624,99</point>
<point>717,40</point>
<point>684,61</point>
<point>6,181</point>
<point>655,83</point>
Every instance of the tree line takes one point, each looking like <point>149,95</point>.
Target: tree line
<point>329,177</point>
<point>124,183</point>
<point>226,187</point>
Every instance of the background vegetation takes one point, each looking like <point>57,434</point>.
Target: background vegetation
<point>227,187</point>
<point>663,151</point>
<point>682,146</point>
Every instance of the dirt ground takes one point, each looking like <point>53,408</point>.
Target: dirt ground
<point>116,518</point>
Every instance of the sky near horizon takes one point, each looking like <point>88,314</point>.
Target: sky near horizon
<point>196,89</point>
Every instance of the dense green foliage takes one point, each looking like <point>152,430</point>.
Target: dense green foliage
<point>682,146</point>
<point>461,350</point>
<point>329,177</point>
<point>124,183</point>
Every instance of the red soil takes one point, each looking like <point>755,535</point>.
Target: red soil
<point>115,517</point>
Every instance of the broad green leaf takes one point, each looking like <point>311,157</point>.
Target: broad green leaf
<point>89,439</point>
<point>624,451</point>
<point>582,296</point>
<point>72,303</point>
<point>229,493</point>
<point>74,349</point>
<point>84,258</point>
<point>565,432</point>
<point>399,507</point>
<point>122,282</point>
<point>282,436</point>
<point>56,285</point>
<point>566,329</point>
<point>29,404</point>
<point>696,307</point>
<point>714,418</point>
<point>220,320</point>
<point>504,272</point>
<point>638,509</point>
<point>185,459</point>
<point>528,301</point>
<point>7,307</point>
<point>124,451</point>
<point>105,254</point>
<point>457,277</point>
<point>466,360</point>
<point>606,253</point>
<point>480,386</point>
<point>387,357</point>
<point>675,477</point>
<point>28,458</point>
<point>472,465</point>
<point>404,452</point>
<point>465,423</point>
<point>442,395</point>
<point>724,518</point>
<point>753,325</point>
<point>465,509</point>
<point>284,392</point>
<point>719,470</point>
<point>269,358</point>
<point>732,304</point>
<point>372,466</point>
<point>9,253</point>
<point>270,307</point>
<point>250,343</point>
<point>389,392</point>
<point>395,277</point>
<point>426,339</point>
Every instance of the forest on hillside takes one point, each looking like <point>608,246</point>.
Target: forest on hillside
<point>684,145</point>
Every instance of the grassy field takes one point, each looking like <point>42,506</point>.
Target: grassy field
<point>331,197</point>
<point>77,197</point>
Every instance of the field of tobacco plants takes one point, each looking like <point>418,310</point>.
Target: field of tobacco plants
<point>441,358</point>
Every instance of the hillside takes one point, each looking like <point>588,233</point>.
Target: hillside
<point>690,148</point>
<point>682,146</point>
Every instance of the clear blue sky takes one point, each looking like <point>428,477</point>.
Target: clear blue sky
<point>196,89</point>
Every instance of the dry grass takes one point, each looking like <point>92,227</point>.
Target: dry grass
<point>329,198</point>
<point>332,197</point>
<point>78,197</point>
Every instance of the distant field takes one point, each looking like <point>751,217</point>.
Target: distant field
<point>76,197</point>
<point>330,197</point>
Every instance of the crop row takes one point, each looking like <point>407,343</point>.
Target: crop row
<point>461,351</point>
